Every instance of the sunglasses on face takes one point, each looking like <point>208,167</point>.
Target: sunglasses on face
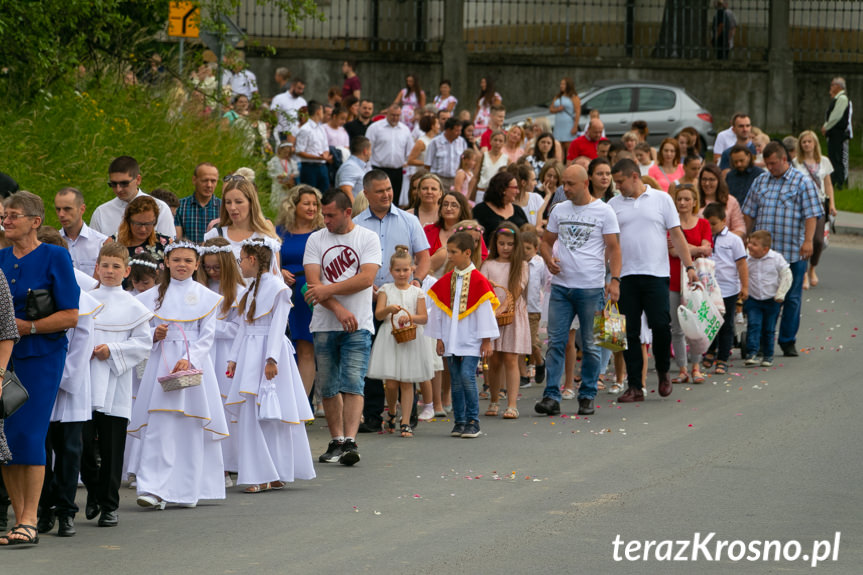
<point>123,184</point>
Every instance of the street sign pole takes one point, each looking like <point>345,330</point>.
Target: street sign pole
<point>182,44</point>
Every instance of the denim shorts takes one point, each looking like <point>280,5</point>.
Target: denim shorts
<point>342,360</point>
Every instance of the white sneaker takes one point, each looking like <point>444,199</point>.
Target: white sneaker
<point>427,413</point>
<point>151,501</point>
<point>228,481</point>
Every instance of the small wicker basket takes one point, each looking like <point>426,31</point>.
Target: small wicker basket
<point>508,315</point>
<point>406,333</point>
<point>180,379</point>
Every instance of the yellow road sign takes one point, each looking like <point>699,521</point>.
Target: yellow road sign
<point>184,19</point>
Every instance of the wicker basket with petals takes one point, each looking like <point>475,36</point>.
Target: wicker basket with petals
<point>406,333</point>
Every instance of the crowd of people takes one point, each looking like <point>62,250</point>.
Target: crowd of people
<point>184,345</point>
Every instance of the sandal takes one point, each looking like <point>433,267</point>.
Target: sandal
<point>600,383</point>
<point>708,361</point>
<point>390,424</point>
<point>697,376</point>
<point>276,485</point>
<point>258,488</point>
<point>406,430</point>
<point>501,394</point>
<point>510,413</point>
<point>484,393</point>
<point>721,368</point>
<point>615,388</point>
<point>25,539</point>
<point>492,410</point>
<point>568,394</point>
<point>682,377</point>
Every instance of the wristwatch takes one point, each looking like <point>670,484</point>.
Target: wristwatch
<point>615,278</point>
<point>690,268</point>
<point>32,328</point>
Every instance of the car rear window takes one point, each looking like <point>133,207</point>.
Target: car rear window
<point>652,99</point>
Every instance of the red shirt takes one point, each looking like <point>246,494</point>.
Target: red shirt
<point>485,139</point>
<point>694,236</point>
<point>582,146</point>
<point>433,236</point>
<point>350,86</point>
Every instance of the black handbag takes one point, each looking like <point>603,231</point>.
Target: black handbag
<point>14,395</point>
<point>40,303</point>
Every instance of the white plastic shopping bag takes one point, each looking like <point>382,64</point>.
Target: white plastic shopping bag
<point>699,319</point>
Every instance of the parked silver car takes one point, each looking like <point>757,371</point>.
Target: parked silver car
<point>667,109</point>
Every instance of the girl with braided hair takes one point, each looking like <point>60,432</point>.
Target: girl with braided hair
<point>266,397</point>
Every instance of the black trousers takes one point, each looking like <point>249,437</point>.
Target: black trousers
<point>395,176</point>
<point>102,464</point>
<point>648,294</point>
<point>724,340</point>
<point>837,151</point>
<point>63,447</point>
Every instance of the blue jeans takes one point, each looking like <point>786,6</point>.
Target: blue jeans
<point>761,318</point>
<point>315,175</point>
<point>342,360</point>
<point>791,308</point>
<point>465,398</point>
<point>564,304</point>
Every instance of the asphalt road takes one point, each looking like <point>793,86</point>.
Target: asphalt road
<point>757,455</point>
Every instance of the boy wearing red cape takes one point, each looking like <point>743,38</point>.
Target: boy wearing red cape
<point>463,322</point>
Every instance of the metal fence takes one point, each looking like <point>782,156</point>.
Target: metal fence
<point>827,31</point>
<point>820,30</point>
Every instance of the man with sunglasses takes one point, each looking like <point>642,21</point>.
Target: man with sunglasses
<point>124,177</point>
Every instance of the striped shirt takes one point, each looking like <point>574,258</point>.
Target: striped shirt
<point>781,206</point>
<point>443,156</point>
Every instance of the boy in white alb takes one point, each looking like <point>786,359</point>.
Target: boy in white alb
<point>463,322</point>
<point>122,339</point>
<point>769,280</point>
<point>71,409</point>
<point>340,263</point>
<point>732,275</point>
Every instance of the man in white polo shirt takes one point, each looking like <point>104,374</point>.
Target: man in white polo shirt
<point>585,230</point>
<point>647,219</point>
<point>124,177</point>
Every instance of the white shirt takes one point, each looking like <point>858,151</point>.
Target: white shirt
<point>644,223</point>
<point>769,277</point>
<point>581,232</point>
<point>531,210</point>
<point>728,249</point>
<point>539,278</point>
<point>340,257</point>
<point>391,145</point>
<point>285,105</point>
<point>724,140</point>
<point>243,82</point>
<point>85,248</point>
<point>312,139</point>
<point>107,217</point>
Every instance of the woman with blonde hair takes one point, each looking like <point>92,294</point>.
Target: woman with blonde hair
<point>809,160</point>
<point>299,217</point>
<point>241,217</point>
<point>427,203</point>
<point>513,147</point>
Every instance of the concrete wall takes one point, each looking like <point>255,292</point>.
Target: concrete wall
<point>526,81</point>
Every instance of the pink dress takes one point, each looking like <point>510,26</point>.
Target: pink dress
<point>410,102</point>
<point>515,337</point>
<point>465,186</point>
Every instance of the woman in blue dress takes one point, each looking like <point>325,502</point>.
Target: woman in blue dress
<point>299,216</point>
<point>38,357</point>
<point>566,108</point>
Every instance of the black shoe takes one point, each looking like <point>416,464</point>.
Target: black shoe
<point>109,519</point>
<point>350,454</point>
<point>457,430</point>
<point>524,382</point>
<point>67,526</point>
<point>4,518</point>
<point>585,406</point>
<point>334,451</point>
<point>366,427</point>
<point>92,510</point>
<point>547,406</point>
<point>789,349</point>
<point>46,521</point>
<point>539,373</point>
<point>471,430</point>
